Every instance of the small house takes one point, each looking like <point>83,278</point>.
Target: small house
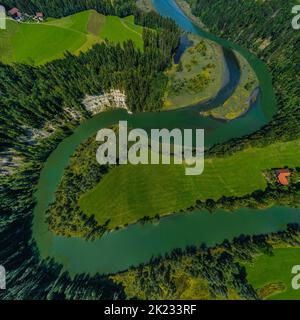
<point>15,13</point>
<point>282,176</point>
<point>39,16</point>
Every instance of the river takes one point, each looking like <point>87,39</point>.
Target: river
<point>116,251</point>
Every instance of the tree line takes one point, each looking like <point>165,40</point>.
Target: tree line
<point>62,8</point>
<point>274,194</point>
<point>64,216</point>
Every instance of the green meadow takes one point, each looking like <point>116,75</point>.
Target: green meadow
<point>271,275</point>
<point>38,43</point>
<point>128,193</point>
<point>198,77</point>
<point>120,30</point>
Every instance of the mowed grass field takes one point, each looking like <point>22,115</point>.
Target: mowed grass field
<point>38,43</point>
<point>128,193</point>
<point>271,275</point>
<point>120,30</point>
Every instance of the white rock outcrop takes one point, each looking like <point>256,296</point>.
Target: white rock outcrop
<point>108,100</point>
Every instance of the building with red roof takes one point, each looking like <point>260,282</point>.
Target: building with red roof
<point>282,176</point>
<point>14,11</point>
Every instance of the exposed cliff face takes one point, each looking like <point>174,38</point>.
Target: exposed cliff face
<point>111,99</point>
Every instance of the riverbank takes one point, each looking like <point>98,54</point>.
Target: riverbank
<point>243,97</point>
<point>113,99</point>
<point>187,10</point>
<point>119,250</point>
<point>197,76</point>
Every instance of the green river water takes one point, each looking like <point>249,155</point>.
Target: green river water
<point>116,251</point>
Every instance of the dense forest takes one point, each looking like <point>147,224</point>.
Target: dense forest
<point>27,277</point>
<point>40,106</point>
<point>62,8</point>
<point>64,216</point>
<point>264,27</point>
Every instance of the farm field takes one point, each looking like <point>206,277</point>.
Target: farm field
<point>120,30</point>
<point>272,276</point>
<point>38,43</point>
<point>198,75</point>
<point>129,193</point>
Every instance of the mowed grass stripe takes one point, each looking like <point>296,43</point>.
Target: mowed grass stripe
<point>34,44</point>
<point>96,21</point>
<point>128,193</point>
